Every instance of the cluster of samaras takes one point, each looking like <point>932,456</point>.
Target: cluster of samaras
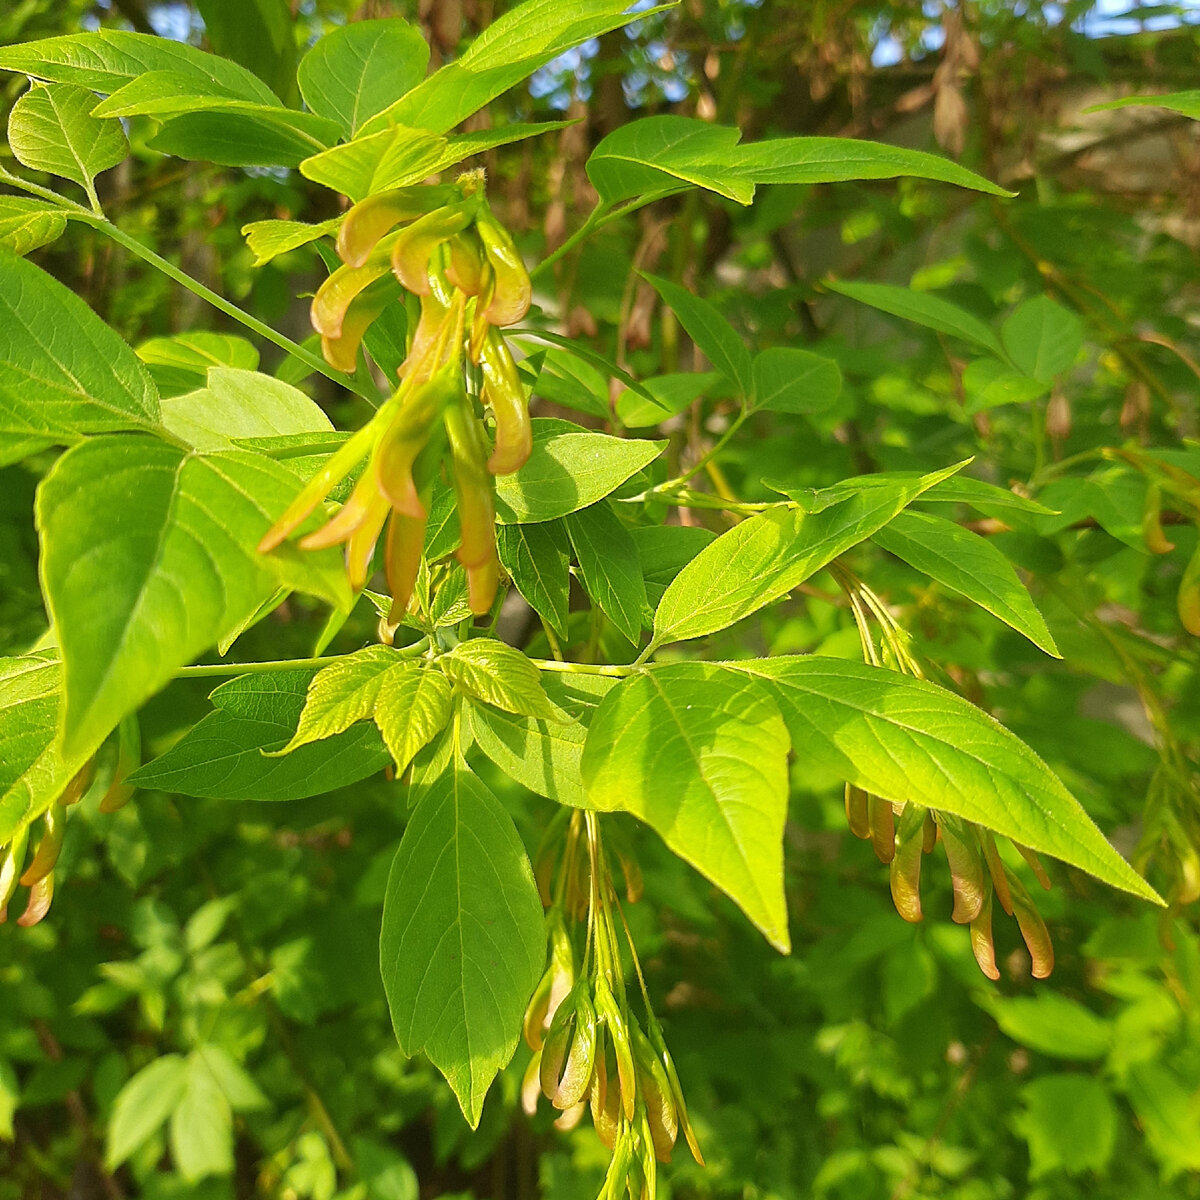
<point>453,254</point>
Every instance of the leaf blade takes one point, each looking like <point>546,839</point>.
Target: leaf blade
<point>463,942</point>
<point>703,761</point>
<point>969,564</point>
<point>908,740</point>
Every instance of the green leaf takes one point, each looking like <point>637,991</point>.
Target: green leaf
<point>358,70</point>
<point>795,381</point>
<point>568,469</point>
<point>668,154</point>
<point>536,558</point>
<point>700,755</point>
<point>922,308</point>
<point>989,383</point>
<point>50,128</point>
<point>608,562</point>
<point>27,224</point>
<point>509,50</point>
<point>181,362</point>
<point>9,1097</point>
<point>664,550</point>
<point>224,756</point>
<point>499,674</point>
<point>269,239</point>
<point>672,394</point>
<point>1042,338</point>
<point>202,1125</point>
<point>398,156</point>
<point>906,739</point>
<point>715,337</point>
<point>241,134</point>
<point>395,157</point>
<point>1070,1123</point>
<point>970,565</point>
<point>1185,103</point>
<point>763,558</point>
<point>577,349</point>
<point>409,701</point>
<point>1168,1114</point>
<point>836,160</point>
<point>540,755</point>
<point>149,557</point>
<point>986,497</point>
<point>1051,1024</point>
<point>568,380</point>
<point>165,94</point>
<point>243,1094</point>
<point>239,404</point>
<point>259,34</point>
<point>544,755</point>
<point>33,771</point>
<point>63,371</point>
<point>106,59</point>
<point>143,1105</point>
<point>463,940</point>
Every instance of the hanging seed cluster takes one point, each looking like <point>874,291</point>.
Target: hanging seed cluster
<point>901,835</point>
<point>589,1049</point>
<point>19,868</point>
<point>451,253</point>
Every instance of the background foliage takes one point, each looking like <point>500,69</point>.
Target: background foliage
<point>210,938</point>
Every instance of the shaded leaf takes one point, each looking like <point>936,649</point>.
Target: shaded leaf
<point>224,755</point>
<point>608,561</point>
<point>715,337</point>
<point>795,381</point>
<point>536,558</point>
<point>1042,338</point>
<point>463,940</point>
<point>922,308</point>
<point>180,362</point>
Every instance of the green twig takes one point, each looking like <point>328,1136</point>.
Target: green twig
<point>202,670</point>
<point>577,668</point>
<point>98,221</point>
<point>600,216</point>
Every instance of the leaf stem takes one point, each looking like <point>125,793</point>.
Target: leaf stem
<point>550,664</point>
<point>97,220</point>
<point>702,462</point>
<point>205,670</point>
<point>600,216</point>
<point>592,222</point>
<point>306,356</point>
